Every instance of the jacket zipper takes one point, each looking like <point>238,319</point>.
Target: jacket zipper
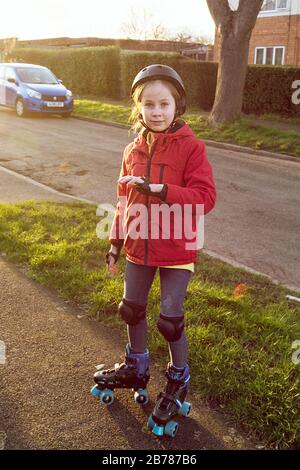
<point>150,155</point>
<point>162,167</point>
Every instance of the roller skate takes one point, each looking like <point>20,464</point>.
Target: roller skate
<point>171,402</point>
<point>133,373</point>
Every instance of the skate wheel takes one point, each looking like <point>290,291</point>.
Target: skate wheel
<point>185,409</point>
<point>106,397</point>
<point>141,397</point>
<point>95,391</point>
<point>158,430</point>
<point>171,428</point>
<point>151,423</point>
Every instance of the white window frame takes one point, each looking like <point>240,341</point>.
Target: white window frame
<point>282,8</point>
<point>276,7</point>
<point>265,54</point>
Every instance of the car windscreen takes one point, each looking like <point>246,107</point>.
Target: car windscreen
<point>32,75</point>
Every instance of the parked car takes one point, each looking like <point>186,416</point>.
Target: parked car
<point>33,88</point>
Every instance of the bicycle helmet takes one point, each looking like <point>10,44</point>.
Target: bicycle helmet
<point>161,72</point>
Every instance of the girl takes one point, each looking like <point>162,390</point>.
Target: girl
<point>165,173</point>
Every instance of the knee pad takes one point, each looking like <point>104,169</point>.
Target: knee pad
<point>132,313</point>
<point>170,327</point>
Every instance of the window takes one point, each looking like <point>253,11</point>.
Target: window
<point>272,5</point>
<point>269,55</point>
<point>9,73</point>
<point>269,5</point>
<point>281,4</point>
<point>278,56</point>
<point>259,56</point>
<point>35,75</point>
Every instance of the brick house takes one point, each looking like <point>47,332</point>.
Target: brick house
<point>275,39</point>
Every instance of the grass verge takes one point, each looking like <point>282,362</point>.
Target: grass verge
<point>244,131</point>
<point>240,326</point>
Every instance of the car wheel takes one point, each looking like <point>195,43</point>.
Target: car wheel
<point>65,115</point>
<point>20,108</point>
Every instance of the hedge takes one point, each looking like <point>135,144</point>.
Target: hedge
<point>269,90</point>
<point>199,77</point>
<point>107,73</point>
<point>87,71</point>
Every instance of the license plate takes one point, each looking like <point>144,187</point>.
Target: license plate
<point>55,104</point>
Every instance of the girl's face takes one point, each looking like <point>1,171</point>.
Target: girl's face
<point>157,106</point>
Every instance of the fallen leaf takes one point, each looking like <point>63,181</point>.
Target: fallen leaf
<point>240,290</point>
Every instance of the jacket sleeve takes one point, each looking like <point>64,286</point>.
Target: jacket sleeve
<point>116,236</point>
<point>198,179</point>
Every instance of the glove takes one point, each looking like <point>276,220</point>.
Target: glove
<point>114,255</point>
<point>109,254</point>
<point>146,189</point>
<point>143,187</point>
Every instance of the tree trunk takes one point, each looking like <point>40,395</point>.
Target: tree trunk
<point>235,28</point>
<point>230,82</point>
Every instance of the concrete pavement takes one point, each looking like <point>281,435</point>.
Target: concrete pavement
<point>15,187</point>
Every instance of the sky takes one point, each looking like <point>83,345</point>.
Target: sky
<point>37,19</point>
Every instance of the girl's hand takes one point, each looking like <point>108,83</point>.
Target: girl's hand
<point>111,265</point>
<point>130,180</point>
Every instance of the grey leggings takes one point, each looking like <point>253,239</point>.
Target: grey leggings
<point>173,286</point>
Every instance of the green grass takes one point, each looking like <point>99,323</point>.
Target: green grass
<point>249,134</point>
<point>100,110</point>
<point>245,131</point>
<point>278,118</point>
<point>240,344</point>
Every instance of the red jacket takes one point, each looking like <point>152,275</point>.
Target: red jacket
<point>177,159</point>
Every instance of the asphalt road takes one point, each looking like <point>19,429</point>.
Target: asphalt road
<point>256,221</point>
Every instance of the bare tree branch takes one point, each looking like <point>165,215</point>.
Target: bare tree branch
<point>159,32</point>
<point>247,15</point>
<point>220,11</point>
<point>235,22</point>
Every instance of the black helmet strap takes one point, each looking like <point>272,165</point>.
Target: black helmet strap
<point>157,132</point>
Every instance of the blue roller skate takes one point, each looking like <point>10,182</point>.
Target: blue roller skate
<point>133,373</point>
<point>170,402</point>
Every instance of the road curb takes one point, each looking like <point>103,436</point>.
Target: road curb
<point>43,186</point>
<point>101,121</point>
<point>237,264</point>
<point>210,143</point>
<point>261,153</point>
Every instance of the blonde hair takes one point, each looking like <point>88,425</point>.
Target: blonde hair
<point>135,116</point>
